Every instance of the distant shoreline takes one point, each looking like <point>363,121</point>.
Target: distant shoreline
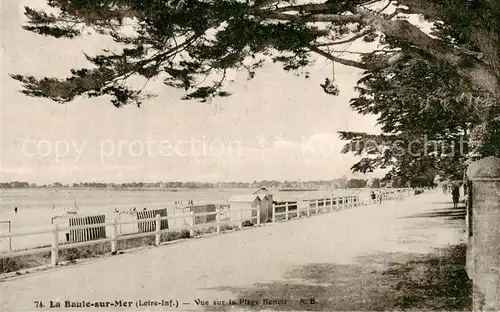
<point>119,189</point>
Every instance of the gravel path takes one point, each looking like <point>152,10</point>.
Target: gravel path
<point>225,267</point>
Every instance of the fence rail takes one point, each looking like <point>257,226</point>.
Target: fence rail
<point>300,209</point>
<point>318,206</point>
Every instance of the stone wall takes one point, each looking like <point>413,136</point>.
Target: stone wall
<point>484,236</point>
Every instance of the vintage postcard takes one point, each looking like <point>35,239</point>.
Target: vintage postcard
<point>250,155</point>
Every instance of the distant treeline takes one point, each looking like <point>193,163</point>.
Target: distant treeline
<point>335,183</point>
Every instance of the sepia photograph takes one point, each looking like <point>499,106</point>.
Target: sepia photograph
<point>250,155</point>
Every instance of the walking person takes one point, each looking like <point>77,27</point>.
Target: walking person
<point>15,210</point>
<point>373,196</point>
<point>455,193</point>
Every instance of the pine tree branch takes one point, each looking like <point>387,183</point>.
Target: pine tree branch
<point>309,7</point>
<point>362,34</point>
<point>367,66</point>
<point>330,18</point>
<point>478,73</point>
<point>338,59</point>
<point>385,7</point>
<point>264,3</point>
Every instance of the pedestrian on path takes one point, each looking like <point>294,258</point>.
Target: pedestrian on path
<point>455,193</point>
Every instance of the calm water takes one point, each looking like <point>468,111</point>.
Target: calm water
<point>36,207</point>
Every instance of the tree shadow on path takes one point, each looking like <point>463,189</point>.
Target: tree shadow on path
<point>384,281</point>
<point>450,214</point>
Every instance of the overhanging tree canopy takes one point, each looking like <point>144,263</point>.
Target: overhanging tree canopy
<point>184,41</point>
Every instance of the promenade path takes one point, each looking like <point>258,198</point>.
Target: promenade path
<point>318,257</point>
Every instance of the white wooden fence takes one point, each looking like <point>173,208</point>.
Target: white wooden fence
<point>307,208</point>
<point>312,207</point>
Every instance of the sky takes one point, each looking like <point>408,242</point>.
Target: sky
<point>276,126</point>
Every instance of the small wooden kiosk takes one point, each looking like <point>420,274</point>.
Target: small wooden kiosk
<point>245,206</point>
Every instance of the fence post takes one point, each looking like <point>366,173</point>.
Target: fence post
<point>183,217</point>
<point>286,211</point>
<point>191,228</point>
<point>54,254</point>
<point>324,205</point>
<point>175,218</point>
<point>298,209</point>
<point>217,218</point>
<point>114,242</point>
<point>158,229</point>
<point>274,213</point>
<point>308,208</point>
<point>240,218</point>
<point>10,237</point>
<point>317,206</point>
